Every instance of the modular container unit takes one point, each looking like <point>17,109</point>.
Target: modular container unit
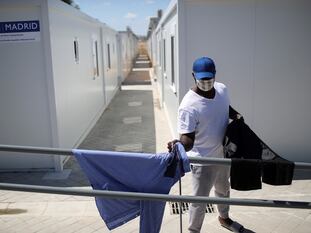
<point>151,40</point>
<point>128,43</point>
<point>163,50</point>
<point>58,72</point>
<point>262,53</point>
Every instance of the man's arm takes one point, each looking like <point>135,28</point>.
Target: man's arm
<point>187,140</point>
<point>233,114</point>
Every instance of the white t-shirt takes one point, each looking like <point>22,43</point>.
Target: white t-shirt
<point>208,118</point>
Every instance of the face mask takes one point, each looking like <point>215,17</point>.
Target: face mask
<point>205,85</point>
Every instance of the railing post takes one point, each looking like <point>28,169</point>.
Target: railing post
<point>180,207</point>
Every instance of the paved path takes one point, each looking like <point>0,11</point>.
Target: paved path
<point>134,122</point>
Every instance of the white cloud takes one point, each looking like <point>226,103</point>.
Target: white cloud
<point>130,15</point>
<point>107,3</point>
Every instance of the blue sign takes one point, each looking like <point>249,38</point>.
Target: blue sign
<point>20,26</point>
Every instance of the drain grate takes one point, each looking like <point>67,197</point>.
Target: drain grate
<point>175,207</point>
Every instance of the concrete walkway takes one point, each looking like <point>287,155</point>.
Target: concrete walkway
<point>134,122</point>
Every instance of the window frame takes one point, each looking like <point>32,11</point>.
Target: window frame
<point>108,57</point>
<point>76,50</point>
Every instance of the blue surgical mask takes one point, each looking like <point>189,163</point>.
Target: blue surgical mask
<point>205,85</point>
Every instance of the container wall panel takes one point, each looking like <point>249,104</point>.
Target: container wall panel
<point>24,105</point>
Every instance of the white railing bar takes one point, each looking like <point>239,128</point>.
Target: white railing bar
<point>36,150</point>
<point>155,196</point>
<point>59,151</point>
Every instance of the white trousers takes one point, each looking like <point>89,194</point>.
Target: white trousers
<point>203,179</point>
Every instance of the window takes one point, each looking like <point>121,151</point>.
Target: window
<point>159,53</point>
<point>76,50</point>
<point>108,55</point>
<point>164,56</point>
<point>172,61</point>
<point>95,59</point>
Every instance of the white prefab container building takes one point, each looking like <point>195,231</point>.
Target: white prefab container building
<point>58,72</point>
<point>128,43</point>
<point>262,53</point>
<point>152,42</point>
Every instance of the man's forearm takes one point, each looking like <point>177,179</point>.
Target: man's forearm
<point>187,140</point>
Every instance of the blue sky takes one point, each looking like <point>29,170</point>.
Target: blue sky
<point>121,13</point>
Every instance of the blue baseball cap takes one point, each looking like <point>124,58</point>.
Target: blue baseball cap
<point>204,67</point>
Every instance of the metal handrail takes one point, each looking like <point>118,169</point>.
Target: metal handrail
<point>156,196</point>
<point>148,196</point>
<point>59,151</point>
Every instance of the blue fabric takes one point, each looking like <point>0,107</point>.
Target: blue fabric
<point>132,172</point>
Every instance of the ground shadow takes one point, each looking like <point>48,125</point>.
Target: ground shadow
<point>138,77</point>
<point>12,211</point>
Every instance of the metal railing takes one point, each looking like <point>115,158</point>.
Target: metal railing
<point>155,196</point>
<point>68,152</point>
<point>148,196</point>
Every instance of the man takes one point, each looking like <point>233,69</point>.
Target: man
<point>203,116</point>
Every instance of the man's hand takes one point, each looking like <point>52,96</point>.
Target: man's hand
<point>171,144</point>
<point>238,117</point>
<point>234,115</point>
<point>186,140</point>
